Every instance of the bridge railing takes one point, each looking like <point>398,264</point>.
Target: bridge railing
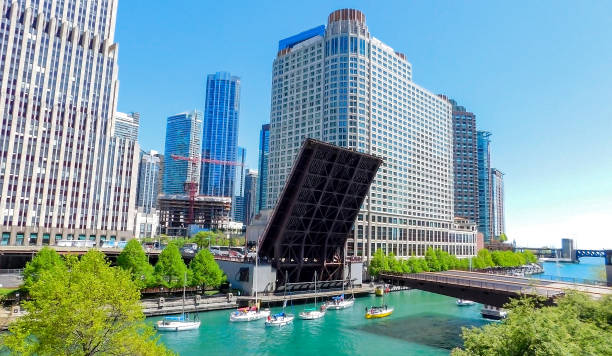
<point>591,282</point>
<point>515,288</point>
<point>11,271</point>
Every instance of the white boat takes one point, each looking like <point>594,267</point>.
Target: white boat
<point>464,302</point>
<point>179,323</point>
<point>249,314</point>
<point>495,313</point>
<point>253,312</point>
<point>337,303</point>
<point>280,319</point>
<point>313,313</point>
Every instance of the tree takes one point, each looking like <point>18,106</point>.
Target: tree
<point>578,325</point>
<point>394,264</point>
<point>378,264</point>
<point>205,270</point>
<point>88,308</point>
<point>432,260</point>
<point>503,237</point>
<point>134,260</point>
<point>46,259</point>
<point>487,260</point>
<point>204,238</point>
<point>170,269</point>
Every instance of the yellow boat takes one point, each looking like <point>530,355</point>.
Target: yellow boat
<point>378,312</point>
<point>379,291</point>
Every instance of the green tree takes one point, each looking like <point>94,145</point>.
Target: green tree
<point>487,260</point>
<point>170,268</point>
<point>204,238</point>
<point>530,257</point>
<point>503,237</point>
<point>394,264</point>
<point>578,325</point>
<point>378,264</point>
<point>88,308</point>
<point>432,260</point>
<point>205,270</point>
<point>46,259</point>
<point>134,260</point>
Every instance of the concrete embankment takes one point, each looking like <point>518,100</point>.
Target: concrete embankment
<point>166,306</point>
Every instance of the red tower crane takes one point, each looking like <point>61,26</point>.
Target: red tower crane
<point>191,188</point>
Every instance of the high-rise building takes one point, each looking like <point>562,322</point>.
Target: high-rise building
<point>126,125</point>
<point>264,151</point>
<point>238,197</point>
<point>62,174</point>
<point>340,84</point>
<point>250,195</point>
<point>465,158</point>
<point>485,194</point>
<point>220,137</point>
<point>183,140</point>
<point>148,180</point>
<point>497,188</point>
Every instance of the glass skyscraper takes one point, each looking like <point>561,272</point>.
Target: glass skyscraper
<point>340,84</point>
<point>264,151</point>
<point>497,188</point>
<point>148,181</point>
<point>63,175</point>
<point>220,136</point>
<point>465,168</point>
<point>183,140</point>
<point>126,125</point>
<point>485,205</point>
<point>250,195</point>
<point>238,207</point>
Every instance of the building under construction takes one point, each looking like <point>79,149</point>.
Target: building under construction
<point>175,213</point>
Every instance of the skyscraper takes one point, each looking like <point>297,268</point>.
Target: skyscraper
<point>264,151</point>
<point>62,174</point>
<point>497,188</point>
<point>183,139</point>
<point>238,197</point>
<point>220,137</point>
<point>250,195</point>
<point>148,181</point>
<point>485,206</point>
<point>126,125</point>
<point>465,157</point>
<point>340,84</point>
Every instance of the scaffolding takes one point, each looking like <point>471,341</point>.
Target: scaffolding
<point>175,213</point>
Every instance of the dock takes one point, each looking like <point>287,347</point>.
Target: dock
<point>304,297</point>
<point>168,306</point>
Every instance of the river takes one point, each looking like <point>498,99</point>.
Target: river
<point>422,324</point>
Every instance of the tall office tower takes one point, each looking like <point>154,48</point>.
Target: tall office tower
<point>465,158</point>
<point>342,85</point>
<point>497,188</point>
<point>250,195</point>
<point>238,197</point>
<point>62,173</point>
<point>220,139</point>
<point>264,151</point>
<point>126,125</point>
<point>485,193</point>
<point>148,180</point>
<point>183,139</point>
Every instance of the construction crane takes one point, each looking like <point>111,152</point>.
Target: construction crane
<point>191,188</point>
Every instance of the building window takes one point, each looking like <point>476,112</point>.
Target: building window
<point>19,240</point>
<point>46,238</point>
<point>5,238</point>
<point>33,238</point>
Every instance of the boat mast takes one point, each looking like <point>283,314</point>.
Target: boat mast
<point>315,289</point>
<point>255,274</point>
<point>184,283</point>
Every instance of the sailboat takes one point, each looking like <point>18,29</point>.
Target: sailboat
<point>339,301</point>
<point>381,311</point>
<point>253,312</point>
<point>179,323</point>
<point>282,318</point>
<point>313,313</point>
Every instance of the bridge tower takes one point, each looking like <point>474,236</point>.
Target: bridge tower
<point>609,267</point>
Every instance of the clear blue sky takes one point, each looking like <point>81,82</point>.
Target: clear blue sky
<point>538,75</point>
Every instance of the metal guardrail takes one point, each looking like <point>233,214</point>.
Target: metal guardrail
<point>509,287</point>
<point>592,282</point>
<point>11,271</point>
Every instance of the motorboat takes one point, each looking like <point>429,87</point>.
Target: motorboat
<point>339,302</point>
<point>313,313</point>
<point>379,291</point>
<point>464,302</point>
<point>249,314</point>
<point>280,319</point>
<point>494,313</point>
<point>375,312</point>
<point>177,323</point>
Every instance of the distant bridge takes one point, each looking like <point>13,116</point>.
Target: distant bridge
<point>590,253</point>
<point>490,289</point>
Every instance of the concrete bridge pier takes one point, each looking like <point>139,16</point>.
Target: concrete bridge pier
<point>609,267</point>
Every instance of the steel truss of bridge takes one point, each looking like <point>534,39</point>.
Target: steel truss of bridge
<point>316,211</point>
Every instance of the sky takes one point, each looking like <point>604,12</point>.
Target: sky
<point>537,74</point>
